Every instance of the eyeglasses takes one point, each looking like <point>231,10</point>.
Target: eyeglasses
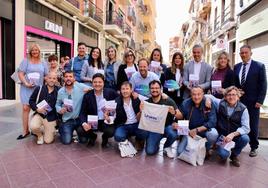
<point>128,55</point>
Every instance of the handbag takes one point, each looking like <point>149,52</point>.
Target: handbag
<point>127,149</point>
<point>32,113</point>
<point>15,77</point>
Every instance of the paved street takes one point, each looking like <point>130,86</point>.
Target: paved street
<point>25,164</point>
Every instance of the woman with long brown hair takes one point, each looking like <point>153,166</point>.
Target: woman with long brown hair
<point>175,73</point>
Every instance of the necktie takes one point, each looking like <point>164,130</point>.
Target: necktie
<point>243,77</point>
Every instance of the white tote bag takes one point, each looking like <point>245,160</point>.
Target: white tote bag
<point>153,117</point>
<point>195,151</point>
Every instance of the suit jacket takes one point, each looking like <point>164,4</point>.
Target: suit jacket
<point>122,76</point>
<point>204,76</point>
<point>121,116</point>
<point>255,85</point>
<point>89,103</point>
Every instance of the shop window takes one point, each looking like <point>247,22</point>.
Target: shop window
<point>64,21</point>
<point>58,19</point>
<point>70,24</point>
<point>36,8</point>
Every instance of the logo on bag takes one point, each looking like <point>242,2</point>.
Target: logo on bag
<point>152,118</point>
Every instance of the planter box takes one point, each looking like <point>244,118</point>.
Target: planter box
<point>263,128</point>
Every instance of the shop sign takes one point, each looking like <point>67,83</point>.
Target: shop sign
<point>53,27</point>
<point>221,43</point>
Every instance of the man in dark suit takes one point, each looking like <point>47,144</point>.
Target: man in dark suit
<point>93,104</point>
<point>251,78</point>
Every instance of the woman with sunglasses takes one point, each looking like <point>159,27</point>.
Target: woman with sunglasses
<point>126,69</point>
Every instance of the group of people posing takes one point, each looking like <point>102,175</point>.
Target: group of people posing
<point>219,102</point>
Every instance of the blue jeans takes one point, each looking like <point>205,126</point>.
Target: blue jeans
<point>66,130</point>
<point>211,136</point>
<point>123,131</point>
<point>240,143</point>
<point>153,140</point>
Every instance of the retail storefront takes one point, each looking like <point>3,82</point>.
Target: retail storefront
<point>51,30</point>
<point>7,42</point>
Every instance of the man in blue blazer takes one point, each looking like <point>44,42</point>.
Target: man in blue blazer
<point>251,78</point>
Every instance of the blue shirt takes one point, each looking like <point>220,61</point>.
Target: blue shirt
<point>77,98</point>
<point>140,84</point>
<point>109,75</point>
<point>76,65</point>
<point>199,116</point>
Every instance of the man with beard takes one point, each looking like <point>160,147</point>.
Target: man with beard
<point>140,80</point>
<point>44,117</point>
<point>127,117</point>
<point>153,139</point>
<point>76,63</point>
<point>68,104</point>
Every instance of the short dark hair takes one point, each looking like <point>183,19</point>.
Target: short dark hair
<point>155,82</point>
<point>98,75</point>
<point>126,83</point>
<point>81,43</point>
<point>143,59</point>
<point>197,87</point>
<point>68,72</point>
<point>52,57</point>
<point>197,46</point>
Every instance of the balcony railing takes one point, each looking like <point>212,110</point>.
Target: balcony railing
<point>227,15</point>
<point>217,24</point>
<point>74,3</point>
<point>141,27</point>
<point>142,7</point>
<point>93,12</point>
<point>127,29</point>
<point>113,18</point>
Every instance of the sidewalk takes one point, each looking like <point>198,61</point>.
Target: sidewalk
<point>25,164</point>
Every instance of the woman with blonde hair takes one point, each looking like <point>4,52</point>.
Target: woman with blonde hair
<point>31,74</point>
<point>126,70</point>
<point>222,74</point>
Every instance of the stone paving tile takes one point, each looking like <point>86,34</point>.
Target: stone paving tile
<point>25,164</point>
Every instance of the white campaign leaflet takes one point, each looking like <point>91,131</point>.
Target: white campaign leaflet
<point>142,98</point>
<point>215,86</point>
<point>68,103</point>
<point>194,80</point>
<point>154,66</point>
<point>183,127</point>
<point>93,121</point>
<point>110,105</point>
<point>43,104</point>
<point>130,71</point>
<point>34,78</point>
<point>228,146</point>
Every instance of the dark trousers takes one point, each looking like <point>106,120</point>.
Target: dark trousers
<point>254,115</point>
<point>108,132</point>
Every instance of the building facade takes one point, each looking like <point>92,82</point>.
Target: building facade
<point>59,25</point>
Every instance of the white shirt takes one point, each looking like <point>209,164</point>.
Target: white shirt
<point>178,75</point>
<point>197,68</point>
<point>247,69</point>
<point>131,116</point>
<point>100,104</point>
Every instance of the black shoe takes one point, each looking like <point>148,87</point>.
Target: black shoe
<point>234,160</point>
<point>20,137</point>
<point>104,143</point>
<point>92,140</point>
<point>253,153</point>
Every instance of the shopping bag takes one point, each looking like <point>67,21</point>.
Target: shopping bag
<point>195,151</point>
<point>153,117</point>
<point>127,149</point>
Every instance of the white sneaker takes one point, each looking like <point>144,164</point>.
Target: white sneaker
<point>40,140</point>
<point>168,151</point>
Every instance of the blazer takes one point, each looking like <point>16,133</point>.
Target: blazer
<point>121,116</point>
<point>89,103</point>
<point>204,76</point>
<point>49,98</point>
<point>255,86</point>
<point>170,76</point>
<point>122,76</point>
